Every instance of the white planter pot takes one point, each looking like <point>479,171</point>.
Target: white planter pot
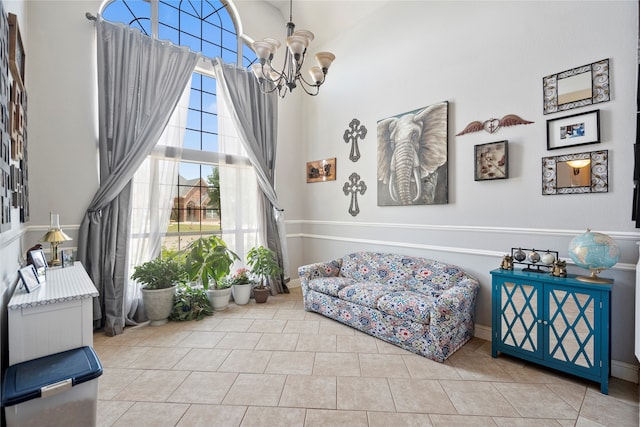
<point>219,298</point>
<point>158,304</point>
<point>241,293</point>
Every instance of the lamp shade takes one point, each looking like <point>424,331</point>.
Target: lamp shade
<point>316,74</point>
<point>55,235</point>
<point>325,59</point>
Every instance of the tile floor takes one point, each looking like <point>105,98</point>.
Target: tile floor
<point>274,364</point>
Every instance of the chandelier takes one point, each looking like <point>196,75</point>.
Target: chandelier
<point>289,76</point>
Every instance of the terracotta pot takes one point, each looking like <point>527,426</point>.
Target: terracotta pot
<point>261,295</point>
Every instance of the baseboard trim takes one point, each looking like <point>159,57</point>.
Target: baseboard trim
<point>621,370</point>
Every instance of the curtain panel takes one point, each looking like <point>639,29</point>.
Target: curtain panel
<point>140,81</point>
<point>255,116</point>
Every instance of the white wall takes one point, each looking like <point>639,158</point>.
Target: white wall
<point>486,58</point>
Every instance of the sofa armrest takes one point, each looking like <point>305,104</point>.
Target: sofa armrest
<point>456,302</point>
<point>319,269</point>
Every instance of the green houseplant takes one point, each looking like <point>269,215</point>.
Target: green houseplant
<point>159,278</point>
<point>264,264</point>
<point>190,303</point>
<point>208,260</point>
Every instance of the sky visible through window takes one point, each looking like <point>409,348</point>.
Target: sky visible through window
<point>204,26</point>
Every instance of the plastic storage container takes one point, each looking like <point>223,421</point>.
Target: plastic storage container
<point>56,390</point>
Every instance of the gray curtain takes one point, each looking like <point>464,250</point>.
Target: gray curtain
<point>140,81</point>
<point>256,118</point>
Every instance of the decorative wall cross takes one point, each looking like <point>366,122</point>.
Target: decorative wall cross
<point>351,135</point>
<point>353,187</point>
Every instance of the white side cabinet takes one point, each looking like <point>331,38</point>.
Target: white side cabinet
<point>57,316</point>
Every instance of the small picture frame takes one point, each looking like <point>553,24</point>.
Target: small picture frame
<point>39,261</point>
<point>29,278</point>
<point>66,257</point>
<point>574,130</point>
<point>321,170</point>
<point>491,161</point>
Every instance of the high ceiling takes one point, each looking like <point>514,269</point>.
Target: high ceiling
<point>326,18</point>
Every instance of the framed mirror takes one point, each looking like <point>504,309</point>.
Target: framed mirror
<point>576,173</point>
<point>585,85</point>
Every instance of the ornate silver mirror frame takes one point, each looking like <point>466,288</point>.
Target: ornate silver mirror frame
<point>576,173</point>
<point>585,85</point>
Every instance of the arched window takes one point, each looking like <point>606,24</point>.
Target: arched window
<point>208,27</point>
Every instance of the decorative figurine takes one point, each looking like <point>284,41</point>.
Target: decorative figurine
<point>519,255</point>
<point>559,268</point>
<point>507,263</point>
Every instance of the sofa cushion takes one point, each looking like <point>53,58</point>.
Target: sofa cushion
<point>377,267</point>
<point>367,293</point>
<point>330,285</point>
<point>407,305</point>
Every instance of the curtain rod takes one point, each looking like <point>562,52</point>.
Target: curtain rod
<point>90,17</point>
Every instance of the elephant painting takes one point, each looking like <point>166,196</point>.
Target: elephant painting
<point>412,157</point>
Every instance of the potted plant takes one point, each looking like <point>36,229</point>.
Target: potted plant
<point>264,265</point>
<point>159,278</point>
<point>189,303</point>
<point>241,286</point>
<point>208,260</point>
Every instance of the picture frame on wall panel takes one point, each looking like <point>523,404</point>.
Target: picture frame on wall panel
<point>413,157</point>
<point>16,51</point>
<point>580,86</point>
<point>576,173</point>
<point>491,161</point>
<point>574,130</point>
<point>321,170</point>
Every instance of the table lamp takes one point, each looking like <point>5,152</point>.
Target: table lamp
<point>55,236</point>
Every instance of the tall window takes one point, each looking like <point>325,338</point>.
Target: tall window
<point>204,26</point>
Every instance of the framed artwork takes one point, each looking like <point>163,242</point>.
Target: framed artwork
<point>66,257</point>
<point>16,51</point>
<point>29,278</point>
<point>491,161</point>
<point>321,170</point>
<point>417,143</point>
<point>576,173</point>
<point>39,261</point>
<point>585,85</point>
<point>570,131</point>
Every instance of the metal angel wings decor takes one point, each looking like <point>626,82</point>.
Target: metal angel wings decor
<point>412,157</point>
<point>492,125</point>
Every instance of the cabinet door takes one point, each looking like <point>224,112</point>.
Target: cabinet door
<point>572,339</point>
<point>519,311</point>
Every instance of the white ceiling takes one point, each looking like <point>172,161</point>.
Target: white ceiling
<point>327,18</point>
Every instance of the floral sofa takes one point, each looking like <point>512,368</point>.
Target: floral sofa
<point>421,305</point>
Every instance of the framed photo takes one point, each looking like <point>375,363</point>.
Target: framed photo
<point>66,257</point>
<point>39,261</point>
<point>29,278</point>
<point>16,51</point>
<point>321,170</point>
<point>580,86</point>
<point>577,129</point>
<point>491,161</point>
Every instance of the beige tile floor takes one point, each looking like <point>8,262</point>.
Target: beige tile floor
<point>274,364</point>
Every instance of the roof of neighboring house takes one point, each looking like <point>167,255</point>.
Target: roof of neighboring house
<point>186,185</point>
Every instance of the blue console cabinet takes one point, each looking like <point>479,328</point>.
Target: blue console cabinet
<point>559,322</point>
